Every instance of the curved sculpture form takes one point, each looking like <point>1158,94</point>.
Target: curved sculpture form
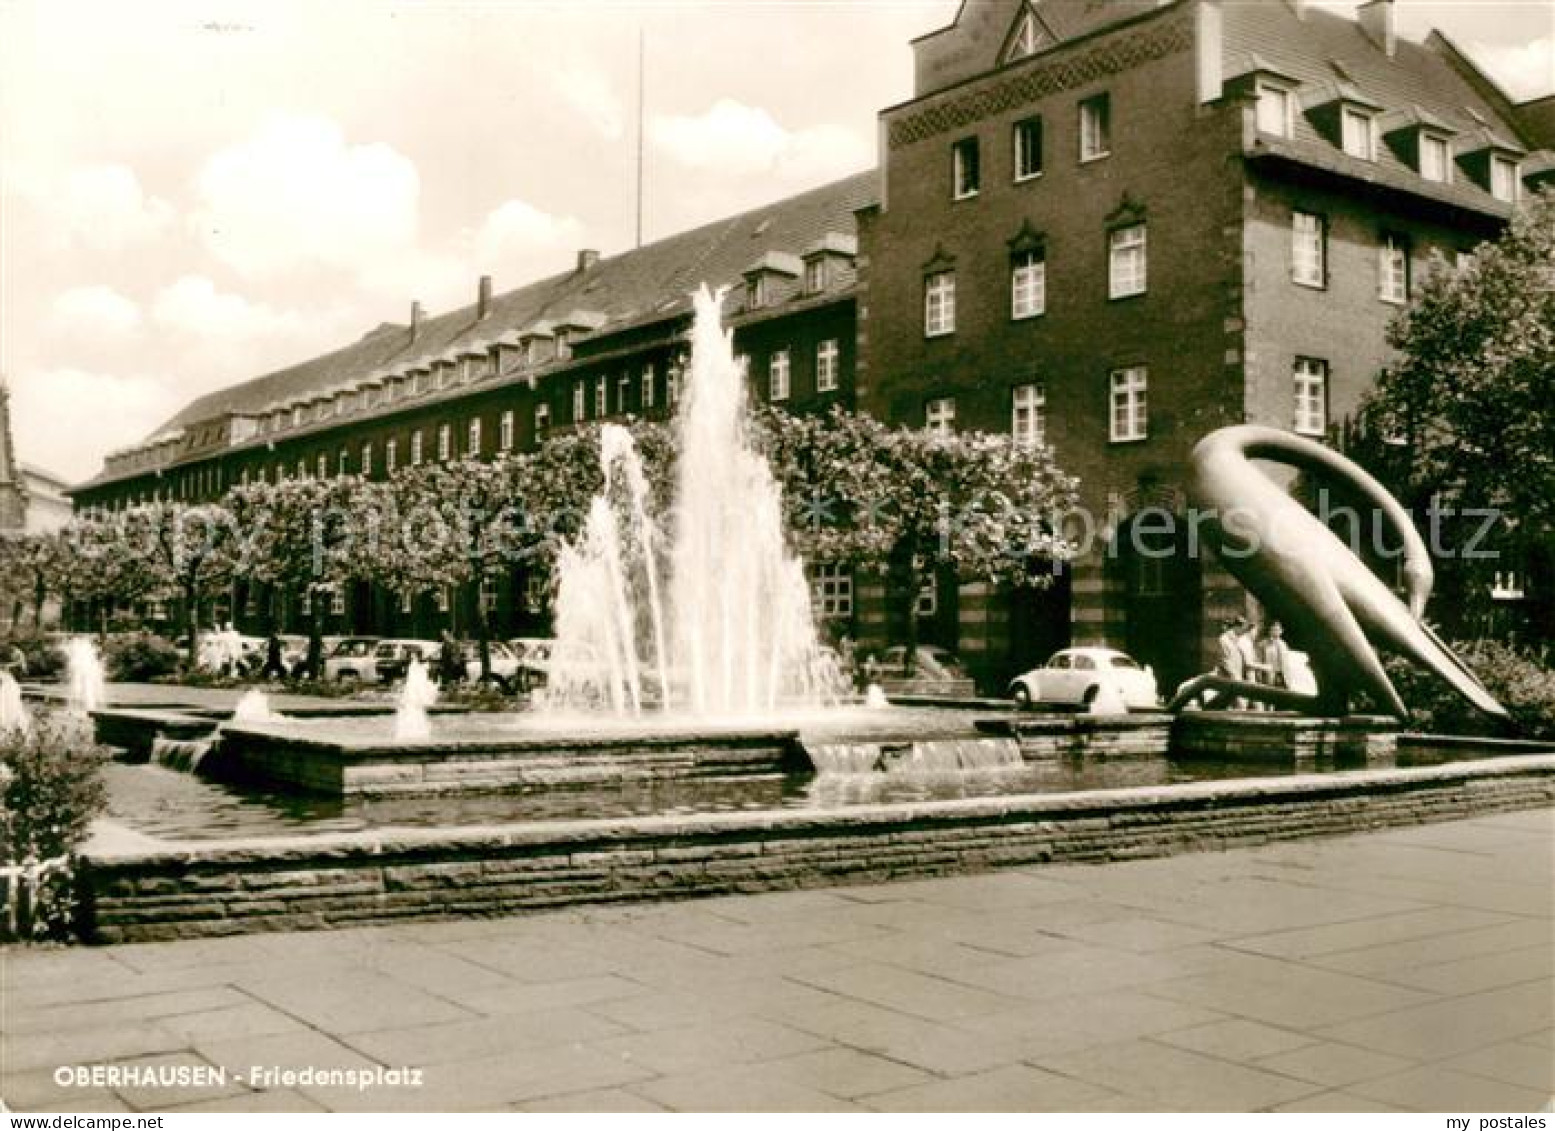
<point>1310,580</point>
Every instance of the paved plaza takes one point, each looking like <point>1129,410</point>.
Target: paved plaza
<point>1408,969</point>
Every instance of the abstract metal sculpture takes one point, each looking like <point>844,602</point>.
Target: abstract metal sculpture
<point>1307,578</point>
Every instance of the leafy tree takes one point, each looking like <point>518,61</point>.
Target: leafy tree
<point>884,498</point>
<point>1466,414</point>
<point>30,573</point>
<point>183,550</point>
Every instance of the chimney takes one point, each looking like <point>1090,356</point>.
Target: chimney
<point>415,320</point>
<point>1208,37</point>
<point>483,298</point>
<point>587,258</point>
<point>1376,20</point>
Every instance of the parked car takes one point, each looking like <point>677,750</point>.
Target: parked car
<point>934,665</point>
<point>391,658</point>
<point>504,664</point>
<point>1075,677</point>
<point>354,657</point>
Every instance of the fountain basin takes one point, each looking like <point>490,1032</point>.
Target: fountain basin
<point>136,887</point>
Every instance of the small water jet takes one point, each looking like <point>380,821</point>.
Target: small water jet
<point>411,723</point>
<point>86,685</point>
<point>713,621</point>
<point>254,707</point>
<point>13,713</point>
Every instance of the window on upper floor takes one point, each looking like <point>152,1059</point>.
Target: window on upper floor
<point>445,441</point>
<point>815,276</point>
<point>1393,268</point>
<point>563,346</point>
<point>1130,409</point>
<point>601,397</point>
<point>1027,38</point>
<point>391,455</point>
<point>415,447</point>
<point>1503,178</point>
<point>965,173</point>
<point>646,395</point>
<point>542,420</point>
<point>939,304</point>
<point>322,466</point>
<point>1309,249</point>
<point>1028,284</point>
<point>1310,391</point>
<point>1095,127</point>
<point>672,383</point>
<point>472,444</point>
<point>755,292</point>
<point>1276,110</point>
<point>827,356</point>
<point>1028,414</point>
<point>624,393</point>
<point>505,431</point>
<point>939,415</point>
<point>302,470</point>
<point>342,462</point>
<point>831,590</point>
<point>1027,138</point>
<point>579,402</point>
<point>1126,262</point>
<point>1358,133</point>
<point>1435,158</point>
<point>779,376</point>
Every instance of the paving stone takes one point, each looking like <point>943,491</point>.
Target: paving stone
<point>273,1101</point>
<point>156,1097</point>
<point>1482,971</point>
<point>844,1072</point>
<point>487,1036</point>
<point>119,1011</point>
<point>741,1089</point>
<point>85,1046</point>
<point>1300,998</point>
<point>1186,1080</point>
<point>353,1002</point>
<point>1334,1065</point>
<point>295,1051</point>
<point>911,1040</point>
<point>1435,1088</point>
<point>538,997</point>
<point>919,995</point>
<point>597,1100</point>
<point>1358,934</point>
<point>37,1090</point>
<point>1383,961</point>
<point>1017,1087</point>
<point>1082,1020</point>
<point>251,1019</point>
<point>1517,1062</point>
<point>1450,1027</point>
<point>1338,1101</point>
<point>1135,933</point>
<point>1239,1040</point>
<point>686,1049</point>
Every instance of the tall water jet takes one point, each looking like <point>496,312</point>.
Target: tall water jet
<point>86,686</point>
<point>13,714</point>
<point>411,723</point>
<point>713,620</point>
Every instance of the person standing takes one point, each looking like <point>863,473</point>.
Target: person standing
<point>1274,655</point>
<point>275,658</point>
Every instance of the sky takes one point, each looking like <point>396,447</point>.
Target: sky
<point>195,193</point>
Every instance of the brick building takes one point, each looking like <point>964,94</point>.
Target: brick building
<point>1109,226</point>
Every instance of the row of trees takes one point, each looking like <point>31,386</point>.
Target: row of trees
<point>858,492</point>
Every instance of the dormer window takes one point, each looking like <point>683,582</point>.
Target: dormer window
<point>563,346</point>
<point>1435,158</point>
<point>815,276</point>
<point>1358,133</point>
<point>965,171</point>
<point>756,293</point>
<point>1027,39</point>
<point>1503,178</point>
<point>1276,110</point>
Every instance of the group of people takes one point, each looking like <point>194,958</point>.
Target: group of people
<point>1259,654</point>
<point>221,650</point>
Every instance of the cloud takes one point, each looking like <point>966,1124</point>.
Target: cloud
<point>526,240</point>
<point>741,140</point>
<point>93,313</point>
<point>296,195</point>
<point>1523,70</point>
<point>64,419</point>
<point>97,207</point>
<point>194,306</point>
<point>586,89</point>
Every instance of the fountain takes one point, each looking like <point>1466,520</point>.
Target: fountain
<point>410,715</point>
<point>254,707</point>
<point>13,715</point>
<point>87,686</point>
<point>714,622</point>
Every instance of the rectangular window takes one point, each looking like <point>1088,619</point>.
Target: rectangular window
<point>1028,149</point>
<point>487,595</point>
<point>579,402</point>
<point>342,462</point>
<point>1435,159</point>
<point>1130,407</point>
<point>445,441</point>
<point>1503,178</point>
<point>778,374</point>
<point>647,388</point>
<point>302,473</point>
<point>417,384</point>
<point>1393,268</point>
<point>601,397</point>
<point>337,600</point>
<point>826,364</point>
<point>1095,127</point>
<point>1311,396</point>
<point>831,590</point>
<point>1126,262</point>
<point>939,304</point>
<point>473,437</point>
<point>323,466</point>
<point>965,174</point>
<point>391,455</point>
<point>672,384</point>
<point>407,601</point>
<point>1028,415</point>
<point>505,431</point>
<point>1276,114</point>
<point>415,447</point>
<point>542,420</point>
<point>939,415</point>
<point>1028,284</point>
<point>443,599</point>
<point>1308,249</point>
<point>928,597</point>
<point>624,393</point>
<point>756,292</point>
<point>815,276</point>
<point>563,346</point>
<point>1358,134</point>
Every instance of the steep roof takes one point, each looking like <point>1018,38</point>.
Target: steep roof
<point>625,288</point>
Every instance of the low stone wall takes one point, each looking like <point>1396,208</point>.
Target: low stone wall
<point>185,890</point>
<point>1284,739</point>
<point>1066,735</point>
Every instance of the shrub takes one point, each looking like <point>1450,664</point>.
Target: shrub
<point>44,658</point>
<point>141,657</point>
<point>1522,680</point>
<point>53,788</point>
